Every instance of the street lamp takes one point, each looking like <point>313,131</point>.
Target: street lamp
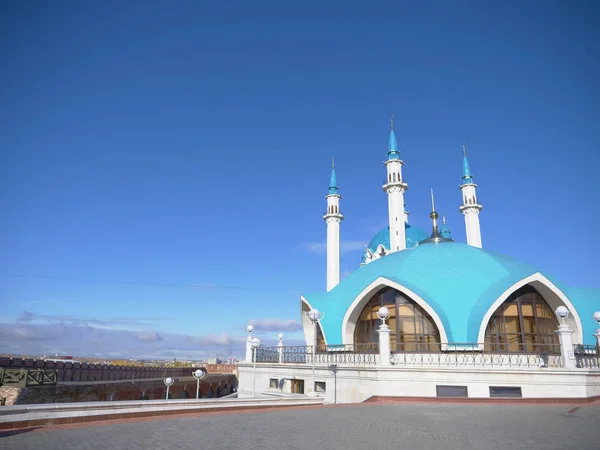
<point>254,343</point>
<point>198,375</point>
<point>562,312</point>
<point>168,382</point>
<point>314,315</point>
<point>383,313</point>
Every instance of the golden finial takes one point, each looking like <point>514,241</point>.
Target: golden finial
<point>464,150</point>
<point>333,163</point>
<point>392,122</point>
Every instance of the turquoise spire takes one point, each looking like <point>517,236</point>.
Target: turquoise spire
<point>393,152</point>
<point>467,177</point>
<point>333,189</point>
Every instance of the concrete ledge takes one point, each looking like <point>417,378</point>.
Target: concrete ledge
<point>12,417</point>
<point>489,400</point>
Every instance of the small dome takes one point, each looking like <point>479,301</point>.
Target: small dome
<point>445,231</point>
<point>414,235</point>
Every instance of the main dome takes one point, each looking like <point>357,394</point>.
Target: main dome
<point>458,281</point>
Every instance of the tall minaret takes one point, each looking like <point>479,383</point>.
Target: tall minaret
<point>395,188</point>
<point>470,208</point>
<point>333,217</point>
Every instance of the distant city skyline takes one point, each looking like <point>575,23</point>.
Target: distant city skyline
<point>164,166</point>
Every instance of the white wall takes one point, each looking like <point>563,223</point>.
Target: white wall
<point>357,384</point>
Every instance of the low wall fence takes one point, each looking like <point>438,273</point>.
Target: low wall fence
<point>66,372</point>
<point>432,354</point>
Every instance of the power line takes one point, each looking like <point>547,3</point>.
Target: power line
<point>135,283</point>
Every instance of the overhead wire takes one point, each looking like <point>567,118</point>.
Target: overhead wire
<point>136,283</point>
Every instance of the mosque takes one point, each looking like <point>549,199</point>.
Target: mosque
<point>424,315</point>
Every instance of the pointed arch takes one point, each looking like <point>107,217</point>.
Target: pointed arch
<point>307,326</point>
<point>549,292</point>
<point>353,312</point>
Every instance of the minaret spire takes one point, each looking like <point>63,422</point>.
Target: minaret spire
<point>395,189</point>
<point>333,189</point>
<point>470,208</point>
<point>333,218</point>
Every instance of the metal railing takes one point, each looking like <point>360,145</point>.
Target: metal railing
<point>331,354</point>
<point>587,356</point>
<point>430,354</point>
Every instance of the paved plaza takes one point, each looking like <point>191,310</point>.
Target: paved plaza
<point>363,426</point>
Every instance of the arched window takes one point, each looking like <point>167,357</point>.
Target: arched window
<point>394,176</point>
<point>523,323</point>
<point>412,329</point>
<point>389,177</point>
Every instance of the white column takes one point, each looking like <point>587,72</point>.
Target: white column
<point>384,345</point>
<point>470,209</point>
<point>395,188</point>
<point>333,252</point>
<point>472,228</point>
<point>597,334</point>
<point>566,346</point>
<point>280,348</point>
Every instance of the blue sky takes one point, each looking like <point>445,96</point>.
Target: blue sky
<point>185,148</point>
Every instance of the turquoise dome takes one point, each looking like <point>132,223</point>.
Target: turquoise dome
<point>414,235</point>
<point>458,281</point>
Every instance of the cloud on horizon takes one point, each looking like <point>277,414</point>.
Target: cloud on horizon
<point>68,319</point>
<point>126,337</point>
<point>276,325</point>
<point>64,339</point>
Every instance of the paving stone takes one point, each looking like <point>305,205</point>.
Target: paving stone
<point>347,427</point>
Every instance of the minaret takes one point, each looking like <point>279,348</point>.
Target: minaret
<point>470,208</point>
<point>395,188</point>
<point>333,217</point>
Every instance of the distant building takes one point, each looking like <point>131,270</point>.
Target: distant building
<point>213,361</point>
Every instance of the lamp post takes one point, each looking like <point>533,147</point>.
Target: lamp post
<point>198,375</point>
<point>250,330</point>
<point>314,315</point>
<point>255,343</point>
<point>333,368</point>
<point>168,382</point>
<point>596,318</point>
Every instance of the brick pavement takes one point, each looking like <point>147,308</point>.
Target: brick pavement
<point>364,426</point>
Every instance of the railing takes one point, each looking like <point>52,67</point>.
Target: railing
<point>428,354</point>
<point>28,377</point>
<point>331,354</point>
<point>587,356</point>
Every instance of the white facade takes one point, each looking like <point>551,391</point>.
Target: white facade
<point>395,189</point>
<point>333,218</point>
<point>347,384</point>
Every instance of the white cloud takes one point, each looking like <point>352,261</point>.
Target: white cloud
<point>276,325</point>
